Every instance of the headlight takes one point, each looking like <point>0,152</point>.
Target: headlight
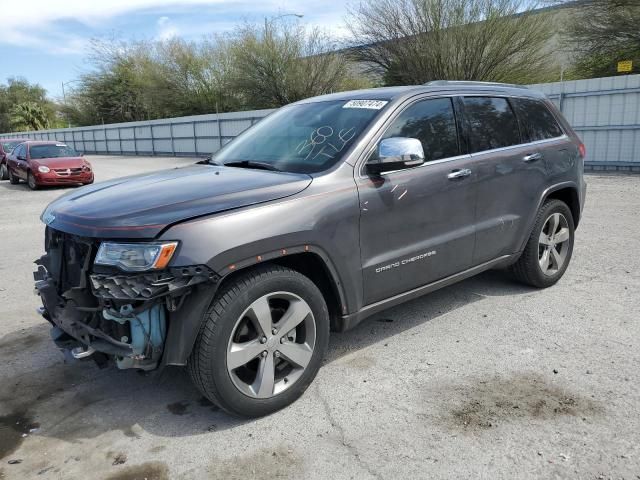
<point>86,168</point>
<point>136,257</point>
<point>44,169</point>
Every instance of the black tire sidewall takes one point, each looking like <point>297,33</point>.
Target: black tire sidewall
<point>549,208</point>
<point>4,172</point>
<point>31,179</point>
<point>229,396</point>
<point>12,178</point>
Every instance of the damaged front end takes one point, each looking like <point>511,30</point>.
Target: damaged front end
<point>101,309</point>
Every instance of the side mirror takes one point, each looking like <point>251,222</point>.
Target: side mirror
<point>396,153</point>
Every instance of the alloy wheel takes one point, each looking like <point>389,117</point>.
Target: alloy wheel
<point>271,344</point>
<point>553,244</point>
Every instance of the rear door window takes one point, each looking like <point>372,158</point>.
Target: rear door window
<point>433,123</point>
<point>536,121</point>
<point>492,123</point>
<point>20,151</point>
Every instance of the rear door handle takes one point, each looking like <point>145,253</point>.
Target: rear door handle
<point>460,173</point>
<point>532,157</point>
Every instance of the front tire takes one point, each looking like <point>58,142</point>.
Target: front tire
<point>261,342</point>
<point>548,251</point>
<point>13,180</point>
<point>4,173</point>
<point>31,181</point>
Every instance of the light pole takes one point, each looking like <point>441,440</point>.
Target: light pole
<point>64,98</point>
<point>267,21</point>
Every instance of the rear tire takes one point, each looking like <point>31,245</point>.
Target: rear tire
<point>4,173</point>
<point>31,181</point>
<point>548,251</point>
<point>13,180</point>
<point>262,379</point>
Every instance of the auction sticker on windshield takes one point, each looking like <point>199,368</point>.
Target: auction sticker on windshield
<point>370,104</point>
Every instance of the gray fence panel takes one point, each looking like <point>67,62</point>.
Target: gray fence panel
<point>605,112</point>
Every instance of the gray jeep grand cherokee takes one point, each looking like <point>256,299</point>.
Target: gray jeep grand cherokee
<point>322,214</point>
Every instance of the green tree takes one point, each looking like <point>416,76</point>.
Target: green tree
<point>188,78</point>
<point>416,41</point>
<point>282,62</point>
<point>19,92</point>
<point>113,90</point>
<point>153,79</point>
<point>28,116</point>
<point>602,33</point>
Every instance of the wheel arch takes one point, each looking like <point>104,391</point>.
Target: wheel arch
<point>309,261</point>
<point>569,195</point>
<point>566,192</point>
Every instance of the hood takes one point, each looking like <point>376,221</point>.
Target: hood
<point>142,206</point>
<point>61,162</point>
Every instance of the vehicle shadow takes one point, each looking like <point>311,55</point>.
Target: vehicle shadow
<point>76,401</point>
<point>23,187</point>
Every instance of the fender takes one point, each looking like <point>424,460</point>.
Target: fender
<point>259,256</point>
<point>184,324</point>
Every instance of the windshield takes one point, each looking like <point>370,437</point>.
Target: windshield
<point>8,146</point>
<point>304,138</point>
<point>51,151</point>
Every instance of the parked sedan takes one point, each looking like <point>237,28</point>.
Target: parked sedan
<point>48,163</point>
<point>6,146</point>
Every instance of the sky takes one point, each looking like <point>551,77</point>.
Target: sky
<point>46,41</point>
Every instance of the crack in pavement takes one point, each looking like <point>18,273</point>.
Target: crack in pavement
<point>342,436</point>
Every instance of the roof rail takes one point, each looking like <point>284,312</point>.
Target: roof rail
<point>446,83</point>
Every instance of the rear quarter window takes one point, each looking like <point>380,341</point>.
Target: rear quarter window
<point>536,121</point>
<point>492,123</point>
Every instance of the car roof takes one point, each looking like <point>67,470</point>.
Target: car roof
<point>441,86</point>
<point>44,142</point>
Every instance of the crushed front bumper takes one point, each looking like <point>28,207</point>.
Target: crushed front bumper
<point>115,313</point>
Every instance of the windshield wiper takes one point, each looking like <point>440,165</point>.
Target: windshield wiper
<point>209,161</point>
<point>252,164</point>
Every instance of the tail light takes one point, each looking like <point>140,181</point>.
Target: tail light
<point>582,150</point>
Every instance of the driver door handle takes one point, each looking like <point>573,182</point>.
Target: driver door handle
<point>532,157</point>
<point>459,173</point>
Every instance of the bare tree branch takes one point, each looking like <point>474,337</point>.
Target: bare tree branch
<point>415,41</point>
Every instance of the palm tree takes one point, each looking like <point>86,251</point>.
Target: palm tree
<point>28,116</point>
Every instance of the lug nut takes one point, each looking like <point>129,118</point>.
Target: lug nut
<point>277,354</point>
<point>282,340</point>
<point>274,331</point>
<point>263,340</point>
<point>264,354</point>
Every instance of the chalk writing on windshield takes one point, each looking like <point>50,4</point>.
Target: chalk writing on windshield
<point>321,142</point>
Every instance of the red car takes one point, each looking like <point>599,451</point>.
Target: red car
<point>48,163</point>
<point>6,146</point>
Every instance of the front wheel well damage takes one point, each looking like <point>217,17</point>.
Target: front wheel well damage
<point>312,266</point>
